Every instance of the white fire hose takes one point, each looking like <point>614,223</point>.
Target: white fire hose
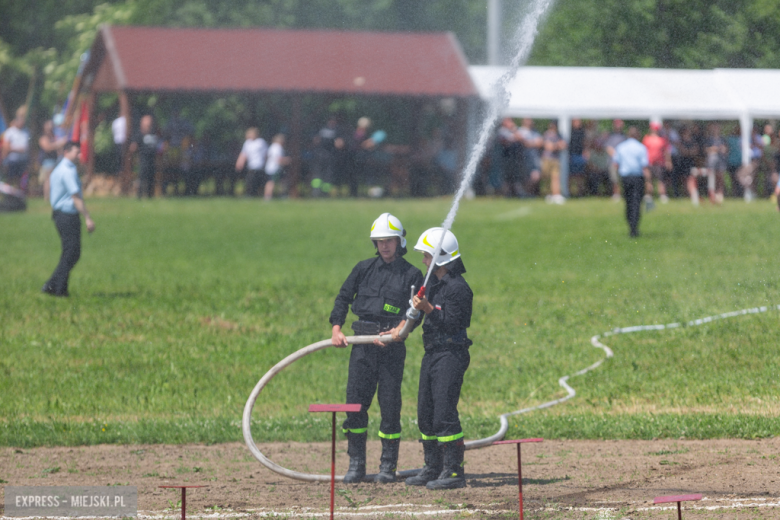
<point>412,316</point>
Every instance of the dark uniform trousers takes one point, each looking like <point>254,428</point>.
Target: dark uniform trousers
<point>69,227</point>
<point>146,179</point>
<point>441,379</point>
<point>633,191</point>
<point>378,294</point>
<point>376,370</point>
<point>252,182</point>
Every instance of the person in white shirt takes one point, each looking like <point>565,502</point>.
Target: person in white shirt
<point>274,164</point>
<point>16,148</point>
<point>119,131</point>
<point>253,157</point>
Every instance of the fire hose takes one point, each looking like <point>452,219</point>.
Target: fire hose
<point>412,316</point>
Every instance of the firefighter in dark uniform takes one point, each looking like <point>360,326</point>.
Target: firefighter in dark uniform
<point>447,308</point>
<point>378,290</point>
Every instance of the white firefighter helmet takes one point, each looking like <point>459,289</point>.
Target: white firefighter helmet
<point>387,226</point>
<point>430,239</point>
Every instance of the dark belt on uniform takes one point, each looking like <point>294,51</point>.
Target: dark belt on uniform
<point>372,328</point>
<point>441,341</point>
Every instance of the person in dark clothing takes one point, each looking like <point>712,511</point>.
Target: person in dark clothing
<point>359,149</point>
<point>689,151</point>
<point>378,290</point>
<point>447,308</point>
<point>578,157</point>
<point>146,143</point>
<point>326,143</point>
<point>512,153</point>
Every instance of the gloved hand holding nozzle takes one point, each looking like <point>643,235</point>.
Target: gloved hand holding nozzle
<point>422,304</point>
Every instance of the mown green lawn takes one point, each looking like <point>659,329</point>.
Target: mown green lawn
<point>178,307</point>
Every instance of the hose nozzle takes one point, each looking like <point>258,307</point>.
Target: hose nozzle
<point>411,312</point>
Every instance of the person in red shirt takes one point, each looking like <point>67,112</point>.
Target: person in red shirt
<point>660,159</point>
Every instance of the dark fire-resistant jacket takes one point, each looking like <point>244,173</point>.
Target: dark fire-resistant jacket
<point>377,291</point>
<point>451,297</point>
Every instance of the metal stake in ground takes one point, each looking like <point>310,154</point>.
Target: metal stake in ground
<point>519,466</point>
<point>678,499</point>
<point>333,408</point>
<point>183,497</point>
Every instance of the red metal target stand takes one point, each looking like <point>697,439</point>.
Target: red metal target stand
<point>678,499</point>
<point>333,408</point>
<point>519,442</point>
<point>183,497</point>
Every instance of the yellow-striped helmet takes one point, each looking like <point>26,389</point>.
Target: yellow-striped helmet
<point>430,239</point>
<point>387,226</point>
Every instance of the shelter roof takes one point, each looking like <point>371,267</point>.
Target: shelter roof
<point>146,59</point>
<point>601,92</point>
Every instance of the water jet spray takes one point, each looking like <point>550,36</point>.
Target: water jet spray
<point>499,101</point>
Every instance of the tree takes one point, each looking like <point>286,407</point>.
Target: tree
<point>43,40</point>
<point>697,34</point>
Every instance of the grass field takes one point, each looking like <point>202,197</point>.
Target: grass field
<point>178,307</point>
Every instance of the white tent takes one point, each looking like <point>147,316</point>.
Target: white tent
<point>606,93</point>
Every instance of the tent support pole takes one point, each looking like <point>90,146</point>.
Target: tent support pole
<point>564,128</point>
<point>746,129</point>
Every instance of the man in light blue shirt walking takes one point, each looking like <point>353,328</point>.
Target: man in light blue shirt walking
<point>66,203</point>
<point>631,159</point>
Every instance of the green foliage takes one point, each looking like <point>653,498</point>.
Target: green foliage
<point>6,55</point>
<point>698,34</point>
<point>44,39</point>
<point>52,56</point>
<point>75,34</point>
<point>178,307</point>
<point>104,139</point>
<point>29,25</point>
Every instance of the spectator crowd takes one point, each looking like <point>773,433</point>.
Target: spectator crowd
<point>688,159</point>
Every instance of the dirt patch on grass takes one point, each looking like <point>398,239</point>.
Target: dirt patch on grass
<point>571,479</point>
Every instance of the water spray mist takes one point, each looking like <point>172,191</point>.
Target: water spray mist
<point>498,102</point>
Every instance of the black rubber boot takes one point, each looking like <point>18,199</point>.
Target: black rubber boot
<point>356,449</point>
<point>452,476</point>
<point>433,465</point>
<point>388,462</point>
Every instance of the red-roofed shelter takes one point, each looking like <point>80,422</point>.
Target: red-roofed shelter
<point>144,60</point>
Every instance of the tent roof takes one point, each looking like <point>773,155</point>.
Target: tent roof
<point>146,59</point>
<point>600,92</point>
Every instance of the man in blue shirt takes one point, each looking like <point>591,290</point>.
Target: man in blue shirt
<point>66,203</point>
<point>631,159</point>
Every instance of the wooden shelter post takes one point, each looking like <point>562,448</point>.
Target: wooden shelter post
<point>91,123</point>
<point>296,141</point>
